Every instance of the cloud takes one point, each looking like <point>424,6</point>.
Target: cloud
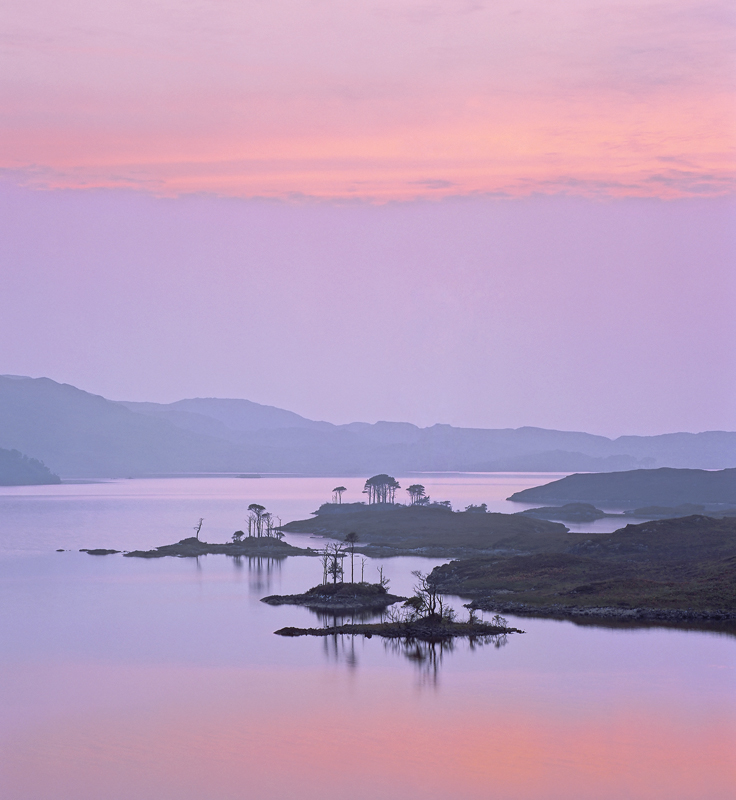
<point>339,100</point>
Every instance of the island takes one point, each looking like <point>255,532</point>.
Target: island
<point>261,546</point>
<point>425,616</point>
<point>714,490</point>
<point>339,597</point>
<point>387,529</point>
<point>570,512</point>
<point>422,630</point>
<point>673,569</point>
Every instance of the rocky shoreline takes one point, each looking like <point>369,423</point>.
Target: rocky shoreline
<point>605,612</point>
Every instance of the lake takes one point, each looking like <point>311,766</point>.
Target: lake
<point>129,679</point>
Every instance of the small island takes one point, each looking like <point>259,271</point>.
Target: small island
<point>339,597</point>
<point>425,630</point>
<point>264,547</point>
<point>426,616</point>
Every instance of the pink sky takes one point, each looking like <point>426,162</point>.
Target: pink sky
<point>479,213</point>
<point>378,99</point>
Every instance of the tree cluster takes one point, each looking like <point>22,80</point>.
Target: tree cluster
<point>381,489</point>
<point>261,523</point>
<point>417,495</point>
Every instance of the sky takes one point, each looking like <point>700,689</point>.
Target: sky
<point>475,213</point>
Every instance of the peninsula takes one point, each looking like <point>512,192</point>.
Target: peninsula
<point>672,569</point>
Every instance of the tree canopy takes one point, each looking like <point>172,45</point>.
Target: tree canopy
<point>381,489</point>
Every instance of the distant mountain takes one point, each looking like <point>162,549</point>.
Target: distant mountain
<point>19,470</point>
<point>224,418</point>
<point>79,434</point>
<point>641,487</point>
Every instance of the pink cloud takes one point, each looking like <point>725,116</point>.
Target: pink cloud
<point>371,99</point>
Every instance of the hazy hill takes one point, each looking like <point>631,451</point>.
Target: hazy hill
<point>19,470</point>
<point>79,434</point>
<point>223,417</point>
<point>641,487</point>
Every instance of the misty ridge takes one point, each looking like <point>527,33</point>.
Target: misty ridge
<point>77,434</point>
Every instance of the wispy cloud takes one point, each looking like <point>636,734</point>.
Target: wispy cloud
<point>372,99</point>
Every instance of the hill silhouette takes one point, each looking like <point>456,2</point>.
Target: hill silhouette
<point>17,469</point>
<point>79,434</point>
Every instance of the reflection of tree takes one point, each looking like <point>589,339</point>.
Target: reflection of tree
<point>427,655</point>
<point>260,572</point>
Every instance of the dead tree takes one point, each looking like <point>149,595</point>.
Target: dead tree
<point>335,553</point>
<point>427,601</point>
<point>352,538</point>
<point>255,519</point>
<point>198,526</point>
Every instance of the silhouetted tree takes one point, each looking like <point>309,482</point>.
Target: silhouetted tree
<point>417,495</point>
<point>337,494</point>
<point>352,538</point>
<point>237,536</point>
<point>335,553</point>
<point>427,601</point>
<point>198,526</point>
<point>383,581</point>
<point>381,489</point>
<point>255,519</point>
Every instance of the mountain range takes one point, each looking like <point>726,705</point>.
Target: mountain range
<point>82,435</point>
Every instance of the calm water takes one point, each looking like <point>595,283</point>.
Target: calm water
<point>132,679</point>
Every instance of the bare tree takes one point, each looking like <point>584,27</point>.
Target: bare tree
<point>325,558</point>
<point>381,489</point>
<point>255,519</point>
<point>198,526</point>
<point>427,601</point>
<point>362,569</point>
<point>351,539</point>
<point>335,553</point>
<point>381,579</point>
<point>337,494</point>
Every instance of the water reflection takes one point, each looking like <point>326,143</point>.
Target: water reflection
<point>261,571</point>
<point>340,648</point>
<point>427,656</point>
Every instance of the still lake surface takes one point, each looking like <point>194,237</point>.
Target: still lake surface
<point>127,679</point>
